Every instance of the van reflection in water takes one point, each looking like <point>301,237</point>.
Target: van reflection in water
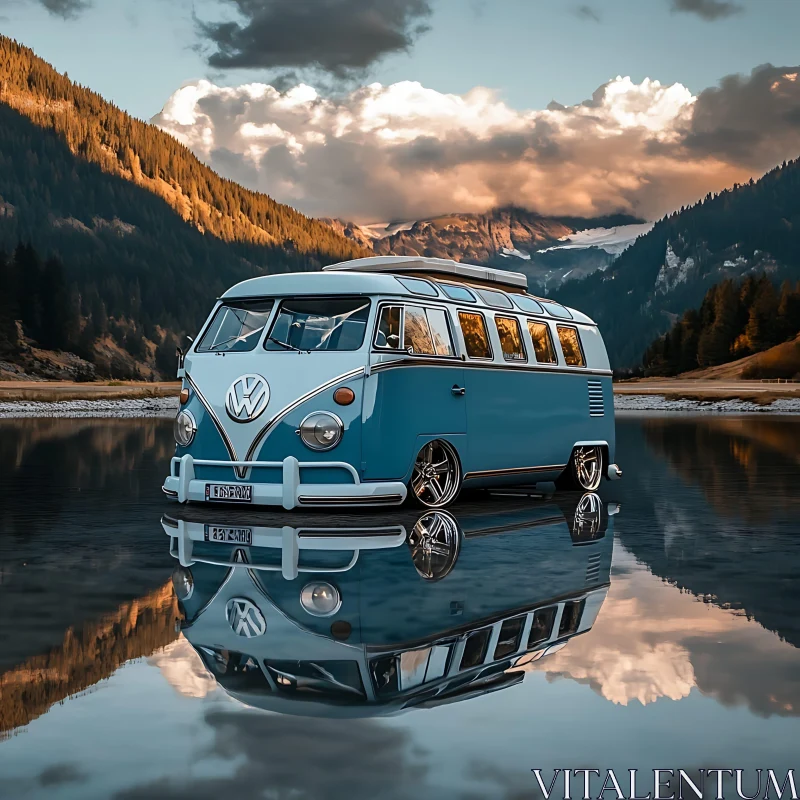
<point>377,615</point>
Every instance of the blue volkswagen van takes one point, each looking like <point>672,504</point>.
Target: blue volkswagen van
<point>388,378</point>
<point>367,622</point>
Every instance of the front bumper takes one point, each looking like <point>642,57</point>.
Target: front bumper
<point>290,493</point>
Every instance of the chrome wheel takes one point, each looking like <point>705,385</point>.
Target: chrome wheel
<point>434,543</point>
<point>587,466</point>
<point>436,479</point>
<point>588,516</point>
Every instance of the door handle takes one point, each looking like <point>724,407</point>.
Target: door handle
<point>458,391</point>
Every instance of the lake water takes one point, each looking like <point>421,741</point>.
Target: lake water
<point>121,674</point>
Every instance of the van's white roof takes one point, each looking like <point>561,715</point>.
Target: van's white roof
<point>345,281</point>
<point>400,265</point>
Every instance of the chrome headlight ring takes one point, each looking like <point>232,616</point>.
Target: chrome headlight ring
<point>321,430</point>
<point>184,428</point>
<point>320,599</point>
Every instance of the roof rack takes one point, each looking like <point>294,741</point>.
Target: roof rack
<point>432,266</point>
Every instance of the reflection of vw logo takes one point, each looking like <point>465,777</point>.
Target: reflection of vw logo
<point>244,618</point>
<point>247,398</point>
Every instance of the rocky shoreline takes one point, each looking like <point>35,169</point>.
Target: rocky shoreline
<point>167,407</point>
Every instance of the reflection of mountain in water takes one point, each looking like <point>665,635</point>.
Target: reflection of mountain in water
<point>87,655</point>
<point>63,456</point>
<point>73,494</point>
<point>715,513</point>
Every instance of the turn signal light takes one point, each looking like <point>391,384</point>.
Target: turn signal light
<point>344,396</point>
<point>184,396</point>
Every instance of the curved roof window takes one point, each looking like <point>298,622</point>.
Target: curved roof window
<point>417,286</point>
<point>495,299</point>
<point>457,292</point>
<point>528,304</point>
<point>557,310</point>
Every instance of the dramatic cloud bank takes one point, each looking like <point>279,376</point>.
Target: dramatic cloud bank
<point>404,151</point>
<point>339,37</point>
<point>652,641</point>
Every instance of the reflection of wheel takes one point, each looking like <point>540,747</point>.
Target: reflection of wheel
<point>436,480</point>
<point>585,469</point>
<point>588,518</point>
<point>434,543</point>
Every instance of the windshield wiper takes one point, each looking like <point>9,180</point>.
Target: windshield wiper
<point>284,344</point>
<point>237,338</point>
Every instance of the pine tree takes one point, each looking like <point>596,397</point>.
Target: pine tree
<point>56,307</point>
<point>761,325</point>
<point>28,267</point>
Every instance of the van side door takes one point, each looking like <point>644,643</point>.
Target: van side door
<point>415,389</point>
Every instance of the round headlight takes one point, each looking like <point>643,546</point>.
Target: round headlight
<point>320,599</point>
<point>184,428</point>
<point>183,583</point>
<point>321,430</point>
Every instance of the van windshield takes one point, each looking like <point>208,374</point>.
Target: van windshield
<point>236,327</point>
<point>319,323</point>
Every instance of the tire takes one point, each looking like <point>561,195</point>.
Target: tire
<point>585,469</point>
<point>434,543</point>
<point>436,479</point>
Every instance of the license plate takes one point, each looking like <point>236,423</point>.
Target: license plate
<point>229,492</point>
<point>217,533</point>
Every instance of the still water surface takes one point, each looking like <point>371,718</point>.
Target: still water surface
<point>121,676</point>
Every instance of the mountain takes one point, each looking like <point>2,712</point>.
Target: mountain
<point>746,230</point>
<point>148,235</point>
<point>548,250</point>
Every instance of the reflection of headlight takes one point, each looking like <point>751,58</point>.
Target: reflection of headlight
<point>321,430</point>
<point>184,428</point>
<point>320,599</point>
<point>183,583</point>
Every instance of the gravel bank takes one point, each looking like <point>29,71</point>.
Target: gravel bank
<point>146,407</point>
<point>168,407</point>
<point>654,402</point>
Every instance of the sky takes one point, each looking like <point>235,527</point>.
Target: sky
<point>395,109</point>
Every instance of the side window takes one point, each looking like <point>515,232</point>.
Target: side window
<point>476,338</point>
<point>542,342</point>
<point>417,335</point>
<point>425,330</point>
<point>387,337</point>
<point>571,346</point>
<point>510,339</point>
<point>440,330</point>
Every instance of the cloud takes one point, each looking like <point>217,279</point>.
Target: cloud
<point>587,13</point>
<point>61,773</point>
<point>709,10</point>
<point>183,669</point>
<point>339,37</point>
<point>652,641</point>
<point>298,757</point>
<point>405,151</point>
<point>68,9</point>
<point>750,120</point>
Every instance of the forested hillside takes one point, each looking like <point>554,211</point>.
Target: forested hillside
<point>146,233</point>
<point>745,230</point>
<point>734,320</point>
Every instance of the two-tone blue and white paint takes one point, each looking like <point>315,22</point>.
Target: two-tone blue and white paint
<point>505,422</point>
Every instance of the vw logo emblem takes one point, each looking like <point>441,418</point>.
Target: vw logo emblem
<point>244,618</point>
<point>247,398</point>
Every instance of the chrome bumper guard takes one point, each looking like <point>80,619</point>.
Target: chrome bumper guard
<point>290,493</point>
<point>290,541</point>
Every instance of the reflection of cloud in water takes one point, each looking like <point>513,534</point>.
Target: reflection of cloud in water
<point>287,756</point>
<point>653,641</point>
<point>183,669</point>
